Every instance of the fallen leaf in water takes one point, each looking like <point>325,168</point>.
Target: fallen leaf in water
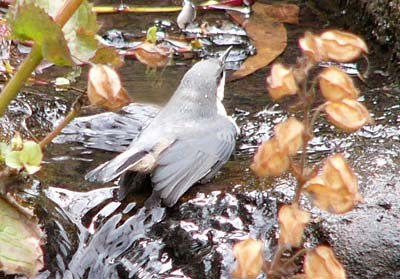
<point>152,55</point>
<point>287,13</point>
<point>20,239</point>
<point>266,34</point>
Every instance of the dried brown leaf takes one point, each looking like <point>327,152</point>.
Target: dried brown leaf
<point>321,263</point>
<point>286,13</point>
<point>292,222</point>
<point>347,114</point>
<point>336,85</point>
<point>152,55</point>
<point>269,160</point>
<point>267,35</point>
<point>336,189</point>
<point>289,135</point>
<point>342,46</point>
<point>105,89</point>
<point>248,254</point>
<point>281,82</point>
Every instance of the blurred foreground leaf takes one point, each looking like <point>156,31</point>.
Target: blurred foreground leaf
<point>29,22</point>
<point>267,35</point>
<point>33,20</point>
<point>20,239</point>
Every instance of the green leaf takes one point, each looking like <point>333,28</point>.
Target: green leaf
<point>80,30</point>
<point>31,156</point>
<point>107,55</point>
<point>29,22</point>
<point>151,36</point>
<point>20,239</point>
<point>4,149</point>
<point>13,161</point>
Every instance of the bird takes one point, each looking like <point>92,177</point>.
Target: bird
<point>187,142</point>
<point>187,14</point>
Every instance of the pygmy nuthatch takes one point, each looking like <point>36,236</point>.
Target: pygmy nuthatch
<point>187,142</point>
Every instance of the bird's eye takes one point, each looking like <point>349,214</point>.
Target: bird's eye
<point>221,75</point>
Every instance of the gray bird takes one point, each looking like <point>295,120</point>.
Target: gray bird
<point>187,14</point>
<point>187,142</point>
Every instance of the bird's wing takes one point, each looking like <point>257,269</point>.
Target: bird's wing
<point>191,158</point>
<point>134,159</point>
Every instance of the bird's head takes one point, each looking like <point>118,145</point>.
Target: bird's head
<point>204,83</point>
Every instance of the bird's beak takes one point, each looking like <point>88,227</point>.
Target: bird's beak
<point>223,57</point>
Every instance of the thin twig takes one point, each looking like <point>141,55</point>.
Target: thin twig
<point>294,257</point>
<point>76,108</point>
<point>277,257</point>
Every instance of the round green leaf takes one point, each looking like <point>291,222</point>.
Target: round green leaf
<point>31,156</point>
<point>13,161</point>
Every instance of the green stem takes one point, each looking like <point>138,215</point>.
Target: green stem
<point>24,71</point>
<point>66,12</point>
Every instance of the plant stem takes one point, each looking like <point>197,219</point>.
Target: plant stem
<point>76,108</point>
<point>277,257</point>
<point>293,258</point>
<point>66,12</point>
<point>306,138</point>
<point>24,71</point>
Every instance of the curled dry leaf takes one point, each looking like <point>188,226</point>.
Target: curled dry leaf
<point>336,85</point>
<point>289,135</point>
<point>152,55</point>
<point>333,45</point>
<point>269,160</point>
<point>281,82</point>
<point>348,115</point>
<point>311,45</point>
<point>321,263</point>
<point>267,35</point>
<point>292,222</point>
<point>249,258</point>
<point>343,46</point>
<point>105,89</point>
<point>336,189</point>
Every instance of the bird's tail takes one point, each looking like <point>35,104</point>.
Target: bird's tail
<point>115,167</point>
